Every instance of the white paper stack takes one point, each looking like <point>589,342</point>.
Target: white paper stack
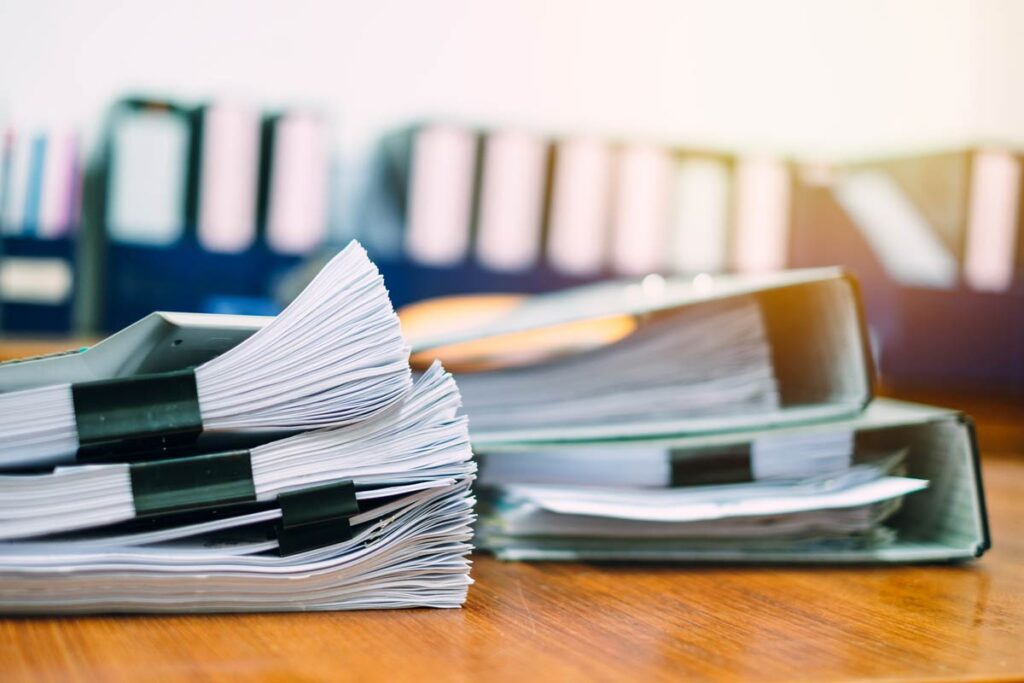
<point>669,370</point>
<point>334,356</point>
<point>351,491</point>
<point>660,507</point>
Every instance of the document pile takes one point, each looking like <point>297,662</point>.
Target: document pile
<point>217,464</point>
<point>731,421</point>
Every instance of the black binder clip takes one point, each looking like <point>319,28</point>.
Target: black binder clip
<point>316,517</point>
<point>201,482</point>
<point>729,464</point>
<point>148,415</point>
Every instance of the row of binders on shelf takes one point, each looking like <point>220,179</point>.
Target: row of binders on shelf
<point>237,200</point>
<point>221,191</point>
<point>223,175</point>
<point>198,462</point>
<point>233,197</point>
<point>940,221</point>
<point>40,203</point>
<point>935,238</point>
<point>513,200</point>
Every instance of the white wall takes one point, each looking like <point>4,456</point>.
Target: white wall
<point>811,78</point>
<point>998,46</point>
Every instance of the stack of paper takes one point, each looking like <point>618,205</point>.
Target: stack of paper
<point>670,369</point>
<point>347,488</point>
<point>837,507</point>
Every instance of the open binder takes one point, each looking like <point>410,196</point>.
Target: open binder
<point>746,351</point>
<point>944,521</point>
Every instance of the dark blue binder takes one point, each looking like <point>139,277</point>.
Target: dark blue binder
<point>133,279</point>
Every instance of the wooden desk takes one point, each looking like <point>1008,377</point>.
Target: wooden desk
<point>583,622</point>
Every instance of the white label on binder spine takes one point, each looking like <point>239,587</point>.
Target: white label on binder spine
<point>992,225</point>
<point>148,176</point>
<point>297,210</point>
<point>762,215</point>
<point>35,280</point>
<point>440,195</point>
<point>578,231</point>
<point>512,201</point>
<point>228,178</point>
<point>642,210</point>
<point>17,186</point>
<point>701,216</point>
<point>58,184</point>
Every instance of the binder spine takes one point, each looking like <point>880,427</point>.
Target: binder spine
<point>316,517</point>
<point>972,434</point>
<point>871,372</point>
<point>127,418</point>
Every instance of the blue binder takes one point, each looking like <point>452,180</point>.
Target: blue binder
<point>134,272</point>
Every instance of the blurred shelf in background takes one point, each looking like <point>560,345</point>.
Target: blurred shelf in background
<point>219,207</point>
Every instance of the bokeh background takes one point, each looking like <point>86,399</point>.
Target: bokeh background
<point>205,155</point>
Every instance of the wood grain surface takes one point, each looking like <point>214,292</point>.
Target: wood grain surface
<point>602,622</point>
<point>11,349</point>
